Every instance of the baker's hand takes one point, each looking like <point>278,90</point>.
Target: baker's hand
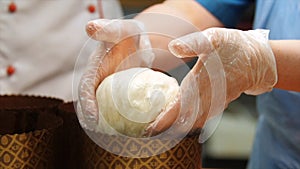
<point>247,59</point>
<point>118,39</point>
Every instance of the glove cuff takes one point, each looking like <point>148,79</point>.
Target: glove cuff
<point>264,74</point>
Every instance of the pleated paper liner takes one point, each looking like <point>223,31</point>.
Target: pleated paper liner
<point>72,139</point>
<point>29,128</point>
<point>88,155</point>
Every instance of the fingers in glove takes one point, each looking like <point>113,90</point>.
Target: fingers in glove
<point>164,120</point>
<point>101,64</point>
<point>88,85</point>
<point>195,44</point>
<point>118,40</point>
<point>113,30</point>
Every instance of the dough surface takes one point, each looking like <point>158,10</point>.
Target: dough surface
<point>129,100</point>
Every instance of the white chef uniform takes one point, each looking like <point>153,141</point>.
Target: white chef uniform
<point>40,41</point>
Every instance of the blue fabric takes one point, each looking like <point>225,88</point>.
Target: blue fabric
<point>281,17</point>
<point>227,11</point>
<point>277,139</point>
<point>270,150</point>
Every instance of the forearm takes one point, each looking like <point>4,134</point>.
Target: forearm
<point>179,17</point>
<point>287,55</point>
<point>188,10</point>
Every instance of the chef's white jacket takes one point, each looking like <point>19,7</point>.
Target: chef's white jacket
<point>41,41</point>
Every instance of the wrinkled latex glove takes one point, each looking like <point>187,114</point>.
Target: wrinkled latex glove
<point>248,63</point>
<point>117,40</point>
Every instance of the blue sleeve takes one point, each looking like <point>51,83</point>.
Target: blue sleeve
<point>227,11</point>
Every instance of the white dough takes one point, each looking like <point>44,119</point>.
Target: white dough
<point>129,100</point>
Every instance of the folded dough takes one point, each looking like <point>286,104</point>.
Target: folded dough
<point>129,100</point>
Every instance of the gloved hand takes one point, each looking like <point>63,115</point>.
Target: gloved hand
<point>248,63</point>
<point>117,40</point>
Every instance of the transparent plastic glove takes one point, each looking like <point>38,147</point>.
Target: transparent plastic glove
<point>117,40</point>
<point>247,59</point>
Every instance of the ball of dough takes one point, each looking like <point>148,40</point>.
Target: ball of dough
<point>129,100</point>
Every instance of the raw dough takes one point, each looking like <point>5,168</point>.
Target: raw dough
<point>129,100</point>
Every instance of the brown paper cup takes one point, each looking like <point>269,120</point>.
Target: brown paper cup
<point>28,132</point>
<point>185,155</point>
<point>81,152</point>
